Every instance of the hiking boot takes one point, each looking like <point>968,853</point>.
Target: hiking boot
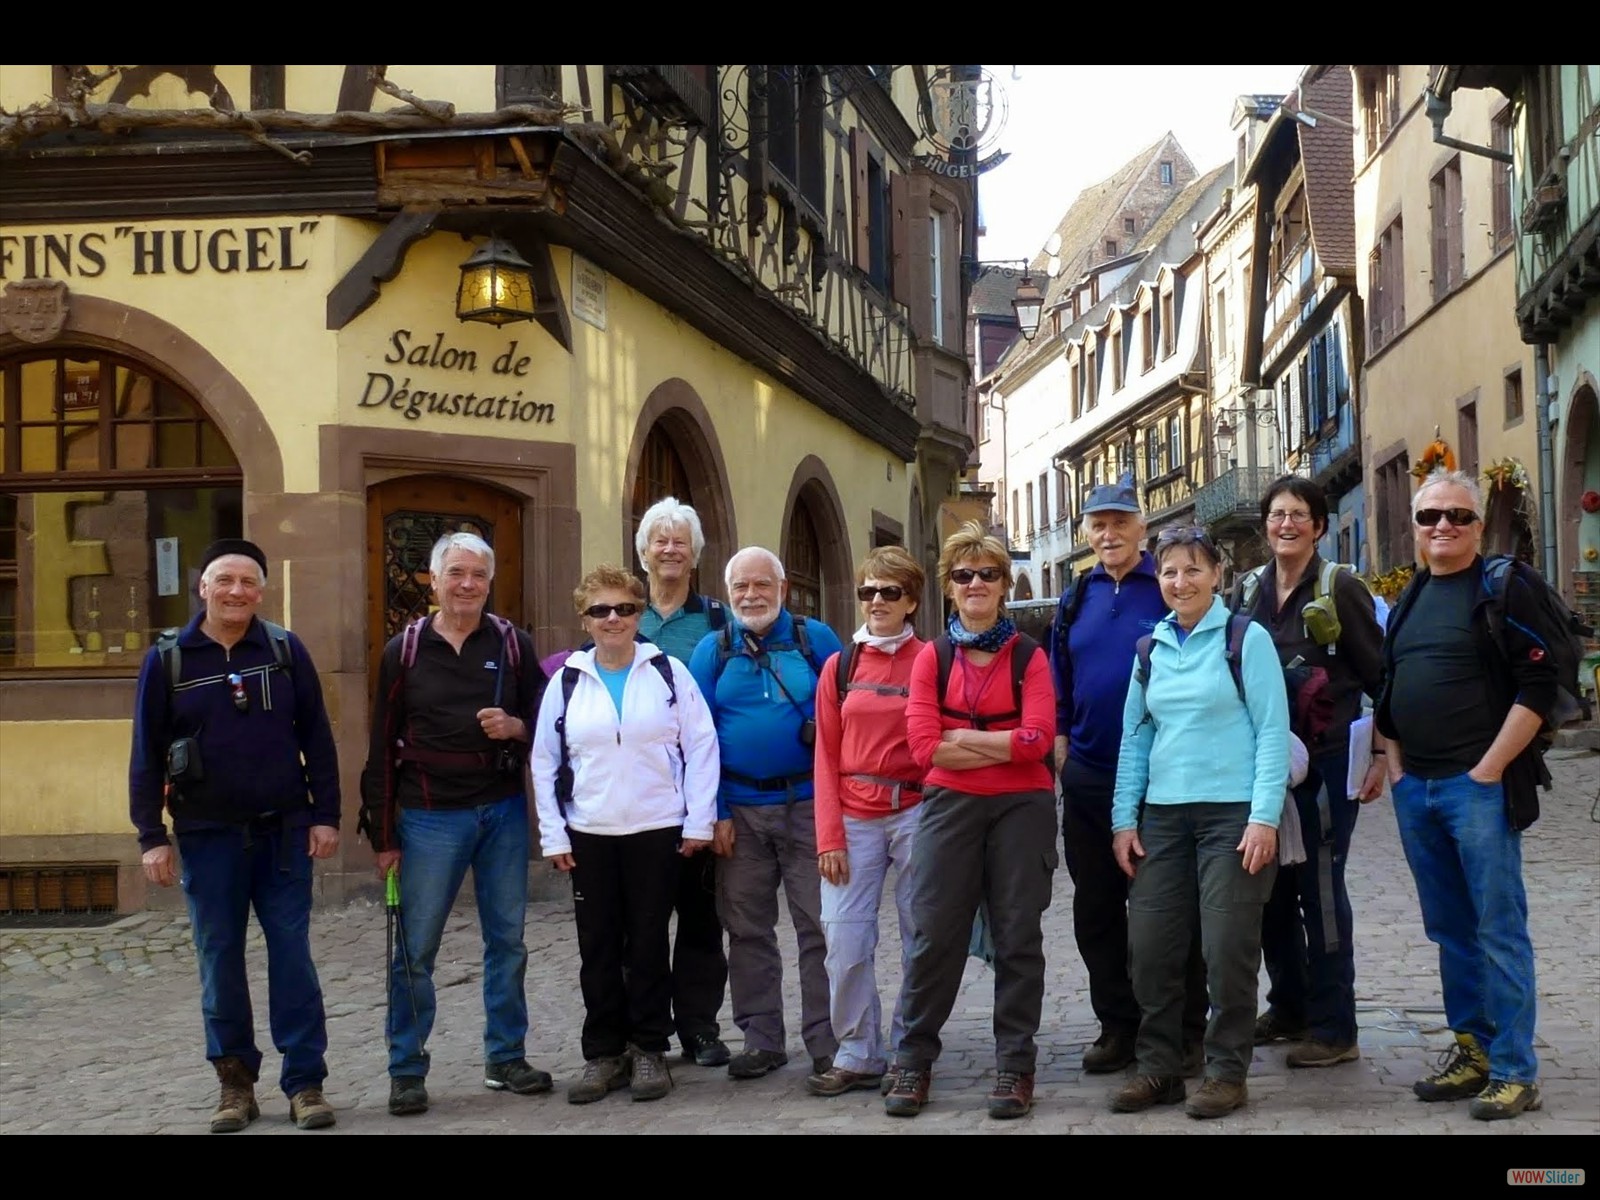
<point>1217,1098</point>
<point>1273,1026</point>
<point>308,1110</point>
<point>753,1064</point>
<point>1463,1072</point>
<point>1194,1060</point>
<point>836,1081</point>
<point>1012,1095</point>
<point>909,1092</point>
<point>1314,1052</point>
<point>1112,1051</point>
<point>236,1107</point>
<point>1502,1099</point>
<point>516,1076</point>
<point>705,1050</point>
<point>887,1085</point>
<point>601,1077</point>
<point>1144,1091</point>
<point>407,1095</point>
<point>651,1078</point>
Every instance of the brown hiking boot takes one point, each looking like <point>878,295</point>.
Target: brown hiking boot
<point>1147,1090</point>
<point>236,1107</point>
<point>909,1093</point>
<point>1217,1098</point>
<point>1012,1095</point>
<point>308,1109</point>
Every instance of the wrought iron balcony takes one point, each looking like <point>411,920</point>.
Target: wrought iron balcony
<point>1233,495</point>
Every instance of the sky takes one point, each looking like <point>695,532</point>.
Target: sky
<point>1055,154</point>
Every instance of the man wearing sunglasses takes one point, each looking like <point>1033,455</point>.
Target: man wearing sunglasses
<point>1461,708</point>
<point>1099,621</point>
<point>444,789</point>
<point>669,542</point>
<point>761,686</point>
<point>233,728</point>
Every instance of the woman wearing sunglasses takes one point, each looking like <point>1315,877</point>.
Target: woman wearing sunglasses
<point>868,788</point>
<point>1194,824</point>
<point>1322,617</point>
<point>633,728</point>
<point>988,828</point>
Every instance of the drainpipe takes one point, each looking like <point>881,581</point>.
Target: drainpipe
<point>1546,387</point>
<point>1438,109</point>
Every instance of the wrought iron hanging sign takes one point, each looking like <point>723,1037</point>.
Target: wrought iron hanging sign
<point>963,117</point>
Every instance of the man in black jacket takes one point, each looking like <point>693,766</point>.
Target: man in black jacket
<point>443,789</point>
<point>1461,709</point>
<point>241,703</point>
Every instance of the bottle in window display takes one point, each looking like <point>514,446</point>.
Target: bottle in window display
<point>134,638</point>
<point>93,643</point>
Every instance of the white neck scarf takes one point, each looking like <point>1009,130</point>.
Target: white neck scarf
<point>887,644</point>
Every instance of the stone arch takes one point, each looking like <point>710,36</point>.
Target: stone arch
<point>1023,588</point>
<point>677,408</point>
<point>812,486</point>
<point>1580,429</point>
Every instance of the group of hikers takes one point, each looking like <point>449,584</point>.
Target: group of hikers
<point>697,755</point>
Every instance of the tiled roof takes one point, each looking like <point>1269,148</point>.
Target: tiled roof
<point>993,292</point>
<point>1328,152</point>
<point>1180,209</point>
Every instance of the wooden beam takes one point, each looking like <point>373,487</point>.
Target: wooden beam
<point>549,310</point>
<point>381,263</point>
<point>522,156</point>
<point>356,90</point>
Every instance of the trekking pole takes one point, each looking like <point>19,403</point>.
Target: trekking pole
<point>391,897</point>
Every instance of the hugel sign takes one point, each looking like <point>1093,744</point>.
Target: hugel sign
<point>147,250</point>
<point>962,118</point>
<point>425,396</point>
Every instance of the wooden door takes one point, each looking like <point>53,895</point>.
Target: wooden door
<point>405,517</point>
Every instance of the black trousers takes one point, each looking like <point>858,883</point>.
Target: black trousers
<point>1100,909</point>
<point>622,891</point>
<point>699,961</point>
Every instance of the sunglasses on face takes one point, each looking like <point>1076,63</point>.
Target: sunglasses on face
<point>891,593</point>
<point>241,700</point>
<point>599,612</point>
<point>1456,516</point>
<point>965,575</point>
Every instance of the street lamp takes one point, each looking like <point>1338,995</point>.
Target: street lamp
<point>1027,304</point>
<point>496,286</point>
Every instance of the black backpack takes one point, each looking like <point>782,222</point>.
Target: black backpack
<point>1566,650</point>
<point>1233,652</point>
<point>569,681</point>
<point>1066,613</point>
<point>726,650</point>
<point>1021,656</point>
<point>844,674</point>
<point>172,654</point>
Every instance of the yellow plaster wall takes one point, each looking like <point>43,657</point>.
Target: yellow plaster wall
<point>84,789</point>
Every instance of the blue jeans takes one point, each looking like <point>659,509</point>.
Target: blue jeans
<point>1467,863</point>
<point>438,846</point>
<point>850,920</point>
<point>225,873</point>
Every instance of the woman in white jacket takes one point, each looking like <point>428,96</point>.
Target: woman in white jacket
<point>625,769</point>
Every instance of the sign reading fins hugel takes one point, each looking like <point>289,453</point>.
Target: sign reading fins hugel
<point>962,118</point>
<point>426,377</point>
<point>156,250</point>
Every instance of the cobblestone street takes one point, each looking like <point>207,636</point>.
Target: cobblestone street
<point>100,1028</point>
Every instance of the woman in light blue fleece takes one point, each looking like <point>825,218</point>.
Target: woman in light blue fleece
<point>1194,820</point>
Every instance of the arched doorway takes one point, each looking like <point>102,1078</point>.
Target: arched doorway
<point>816,549</point>
<point>675,452</point>
<point>405,517</point>
<point>1579,532</point>
<point>1023,589</point>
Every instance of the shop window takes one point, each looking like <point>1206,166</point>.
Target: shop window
<point>112,483</point>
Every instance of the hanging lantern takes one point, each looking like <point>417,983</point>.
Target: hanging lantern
<point>496,286</point>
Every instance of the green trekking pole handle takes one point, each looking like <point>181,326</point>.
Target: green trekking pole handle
<point>391,889</point>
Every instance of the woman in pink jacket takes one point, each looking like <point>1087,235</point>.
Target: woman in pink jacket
<point>867,790</point>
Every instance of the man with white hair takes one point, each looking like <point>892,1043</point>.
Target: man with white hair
<point>669,543</point>
<point>759,675</point>
<point>1469,681</point>
<point>458,693</point>
<point>1101,616</point>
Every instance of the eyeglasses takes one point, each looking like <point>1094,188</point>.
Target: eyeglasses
<point>241,699</point>
<point>891,593</point>
<point>1185,535</point>
<point>1279,515</point>
<point>965,575</point>
<point>600,612</point>
<point>1456,516</point>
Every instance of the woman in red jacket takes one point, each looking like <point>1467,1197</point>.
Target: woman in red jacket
<point>988,827</point>
<point>867,792</point>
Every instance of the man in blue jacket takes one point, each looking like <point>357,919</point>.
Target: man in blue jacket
<point>230,730</point>
<point>1101,617</point>
<point>759,676</point>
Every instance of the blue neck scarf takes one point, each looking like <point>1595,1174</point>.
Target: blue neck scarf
<point>989,641</point>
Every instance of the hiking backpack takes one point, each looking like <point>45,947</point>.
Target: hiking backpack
<point>802,642</point>
<point>1233,652</point>
<point>1067,609</point>
<point>844,673</point>
<point>1566,650</point>
<point>172,654</point>
<point>1322,623</point>
<point>569,681</point>
<point>1021,656</point>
